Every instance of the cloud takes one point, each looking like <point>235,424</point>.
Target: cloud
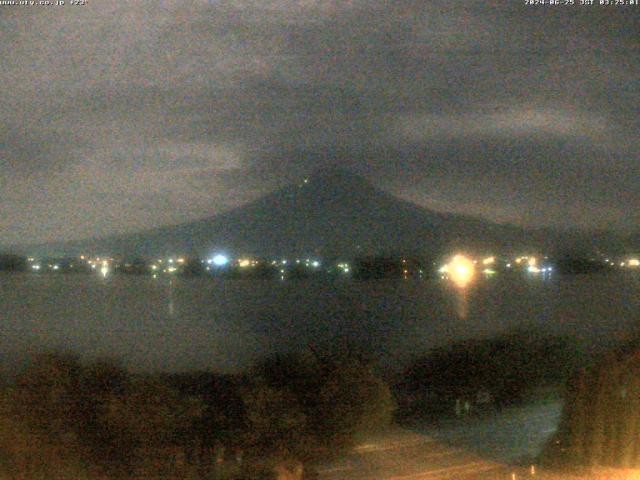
<point>138,114</point>
<point>511,123</point>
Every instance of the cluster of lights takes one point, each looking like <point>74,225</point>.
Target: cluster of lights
<point>307,262</point>
<point>344,267</point>
<point>104,265</point>
<point>94,263</point>
<point>526,260</point>
<point>626,262</point>
<point>221,260</point>
<point>245,263</point>
<point>534,269</point>
<point>461,269</point>
<point>532,264</point>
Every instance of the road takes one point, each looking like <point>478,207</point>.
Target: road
<point>478,448</point>
<point>513,435</point>
<point>404,455</point>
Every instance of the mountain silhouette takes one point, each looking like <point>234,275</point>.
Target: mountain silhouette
<point>331,213</point>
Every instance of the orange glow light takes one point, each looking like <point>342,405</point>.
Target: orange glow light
<point>461,270</point>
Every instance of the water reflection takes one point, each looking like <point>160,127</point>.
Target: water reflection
<point>462,302</point>
<point>170,297</point>
<point>461,271</point>
<point>104,270</point>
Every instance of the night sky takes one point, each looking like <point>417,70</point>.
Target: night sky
<point>123,115</point>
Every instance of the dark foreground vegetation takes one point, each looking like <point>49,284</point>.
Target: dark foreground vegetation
<point>484,375</point>
<point>68,419</point>
<point>62,418</point>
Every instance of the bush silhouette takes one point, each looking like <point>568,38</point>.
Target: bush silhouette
<point>326,404</point>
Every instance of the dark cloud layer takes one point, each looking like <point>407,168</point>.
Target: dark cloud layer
<point>119,116</point>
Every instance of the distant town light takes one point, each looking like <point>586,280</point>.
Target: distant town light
<point>461,270</point>
<point>634,262</point>
<point>35,267</point>
<point>244,262</point>
<point>220,260</point>
<point>315,264</point>
<point>533,261</point>
<point>489,261</point>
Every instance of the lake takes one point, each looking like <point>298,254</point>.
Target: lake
<point>176,323</point>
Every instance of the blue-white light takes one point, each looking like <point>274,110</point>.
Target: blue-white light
<point>220,260</point>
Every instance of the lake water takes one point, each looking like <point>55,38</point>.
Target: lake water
<point>170,324</point>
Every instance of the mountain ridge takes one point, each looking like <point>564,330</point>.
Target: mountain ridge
<point>331,213</point>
